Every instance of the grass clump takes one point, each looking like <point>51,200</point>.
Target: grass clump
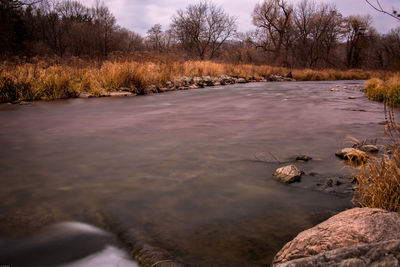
<point>379,182</point>
<point>384,90</point>
<point>379,179</point>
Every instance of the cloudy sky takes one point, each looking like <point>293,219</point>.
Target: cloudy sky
<point>140,15</point>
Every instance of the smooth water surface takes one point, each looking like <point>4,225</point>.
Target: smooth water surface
<point>180,168</point>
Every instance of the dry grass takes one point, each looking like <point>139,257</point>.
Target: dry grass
<point>384,90</point>
<point>379,179</point>
<point>379,183</point>
<point>46,80</point>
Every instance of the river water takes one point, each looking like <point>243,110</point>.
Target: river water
<point>180,169</point>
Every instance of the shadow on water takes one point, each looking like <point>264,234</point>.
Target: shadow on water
<point>176,173</point>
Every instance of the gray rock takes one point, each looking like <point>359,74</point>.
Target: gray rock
<point>208,81</point>
<point>241,80</point>
<point>121,93</point>
<point>85,95</point>
<point>349,228</point>
<point>352,154</point>
<point>288,174</point>
<point>25,103</point>
<point>386,253</point>
<point>197,80</point>
<point>187,80</point>
<point>193,86</point>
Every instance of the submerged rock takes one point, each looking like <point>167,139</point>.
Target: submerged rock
<point>336,185</point>
<point>352,154</point>
<point>288,174</point>
<point>352,227</point>
<point>303,158</point>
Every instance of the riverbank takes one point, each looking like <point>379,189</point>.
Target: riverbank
<point>45,81</point>
<point>384,90</point>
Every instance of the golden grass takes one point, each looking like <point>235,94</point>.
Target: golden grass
<point>379,183</point>
<point>48,81</point>
<point>384,90</point>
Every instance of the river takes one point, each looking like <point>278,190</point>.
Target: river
<point>182,170</point>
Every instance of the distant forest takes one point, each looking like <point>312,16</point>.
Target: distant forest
<point>304,35</point>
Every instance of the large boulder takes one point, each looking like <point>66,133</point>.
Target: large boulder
<point>386,253</point>
<point>288,174</point>
<point>352,227</point>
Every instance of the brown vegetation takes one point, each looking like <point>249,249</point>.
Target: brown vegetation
<point>384,90</point>
<point>379,179</point>
<point>41,81</point>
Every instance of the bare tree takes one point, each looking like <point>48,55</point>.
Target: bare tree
<point>317,27</point>
<point>273,18</point>
<point>377,5</point>
<point>202,28</point>
<point>356,31</point>
<point>105,23</point>
<point>155,38</point>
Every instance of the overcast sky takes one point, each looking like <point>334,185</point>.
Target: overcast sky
<point>140,15</point>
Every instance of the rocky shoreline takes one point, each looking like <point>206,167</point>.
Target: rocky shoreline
<point>186,83</point>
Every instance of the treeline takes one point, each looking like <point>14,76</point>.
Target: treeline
<point>62,28</point>
<point>305,35</point>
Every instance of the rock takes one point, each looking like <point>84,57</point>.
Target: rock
<point>303,158</point>
<point>275,78</point>
<point>85,95</point>
<point>349,228</point>
<point>224,79</point>
<point>352,97</point>
<point>193,86</point>
<point>334,90</point>
<point>386,253</point>
<point>241,80</point>
<point>353,155</point>
<point>151,89</point>
<point>178,83</point>
<point>288,174</point>
<point>208,81</point>
<point>369,148</point>
<point>24,103</point>
<point>121,93</point>
<point>337,185</point>
<point>187,80</point>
